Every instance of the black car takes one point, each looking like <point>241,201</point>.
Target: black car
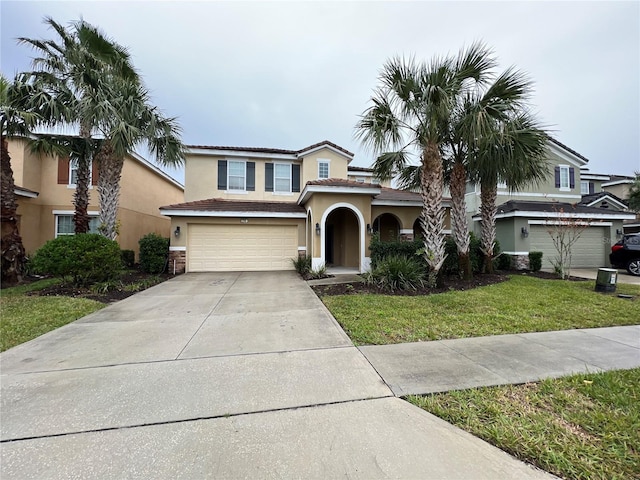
<point>626,254</point>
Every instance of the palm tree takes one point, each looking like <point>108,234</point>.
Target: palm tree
<point>13,120</point>
<point>411,114</point>
<point>132,122</point>
<point>634,194</point>
<point>478,110</point>
<point>512,151</point>
<point>72,72</point>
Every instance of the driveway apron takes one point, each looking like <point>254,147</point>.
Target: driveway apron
<point>221,375</point>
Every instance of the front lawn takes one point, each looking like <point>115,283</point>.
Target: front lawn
<point>25,317</point>
<point>521,304</point>
<point>578,427</point>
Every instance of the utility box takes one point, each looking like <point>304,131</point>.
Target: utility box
<point>606,280</point>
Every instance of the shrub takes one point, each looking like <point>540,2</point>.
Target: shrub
<point>381,250</point>
<point>320,272</point>
<point>503,262</point>
<point>154,251</point>
<point>535,261</point>
<point>398,272</point>
<point>128,258</point>
<point>83,259</point>
<point>302,264</point>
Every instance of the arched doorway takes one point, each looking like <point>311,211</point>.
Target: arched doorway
<point>387,226</point>
<point>342,239</point>
<point>417,229</point>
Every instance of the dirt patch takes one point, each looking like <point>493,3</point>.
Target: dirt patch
<point>452,283</point>
<point>129,284</point>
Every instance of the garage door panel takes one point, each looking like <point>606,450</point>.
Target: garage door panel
<point>241,247</point>
<point>588,252</point>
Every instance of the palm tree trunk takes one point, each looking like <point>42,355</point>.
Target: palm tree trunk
<point>459,222</point>
<point>81,195</point>
<point>432,216</point>
<point>488,208</point>
<point>109,190</point>
<point>13,254</point>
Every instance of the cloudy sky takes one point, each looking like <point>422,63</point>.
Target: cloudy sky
<point>290,74</point>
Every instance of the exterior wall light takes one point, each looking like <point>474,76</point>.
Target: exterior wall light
<point>525,232</point>
<point>618,232</point>
<point>177,232</point>
<point>317,229</point>
<point>369,228</point>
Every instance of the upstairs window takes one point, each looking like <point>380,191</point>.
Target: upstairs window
<point>584,187</point>
<point>323,169</point>
<point>236,175</point>
<point>282,178</point>
<point>564,177</point>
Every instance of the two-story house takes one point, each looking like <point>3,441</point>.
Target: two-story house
<point>258,208</point>
<point>45,186</point>
<point>524,217</point>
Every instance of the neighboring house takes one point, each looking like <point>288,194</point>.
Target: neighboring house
<point>44,193</point>
<point>259,208</point>
<point>524,217</point>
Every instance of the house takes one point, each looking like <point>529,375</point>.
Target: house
<point>259,208</point>
<point>44,192</point>
<point>524,217</point>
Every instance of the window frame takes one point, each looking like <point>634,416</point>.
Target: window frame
<point>94,216</point>
<point>244,176</point>
<point>322,162</point>
<point>276,177</point>
<point>73,167</point>
<point>582,184</point>
<point>565,168</point>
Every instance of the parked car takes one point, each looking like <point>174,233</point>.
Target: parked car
<point>626,254</point>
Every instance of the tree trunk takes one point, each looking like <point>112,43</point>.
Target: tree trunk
<point>459,224</point>
<point>13,254</point>
<point>488,207</point>
<point>81,195</point>
<point>110,167</point>
<point>432,216</point>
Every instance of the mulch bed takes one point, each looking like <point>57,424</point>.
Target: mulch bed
<point>452,283</point>
<point>133,277</point>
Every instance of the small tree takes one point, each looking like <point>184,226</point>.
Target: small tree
<point>634,194</point>
<point>565,230</point>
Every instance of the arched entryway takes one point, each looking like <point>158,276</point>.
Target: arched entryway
<point>387,227</point>
<point>341,235</point>
<point>417,229</point>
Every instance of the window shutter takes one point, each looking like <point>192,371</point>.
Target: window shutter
<point>251,176</point>
<point>557,172</point>
<point>592,188</point>
<point>268,177</point>
<point>94,173</point>
<point>63,171</point>
<point>222,174</point>
<point>572,177</point>
<point>295,177</point>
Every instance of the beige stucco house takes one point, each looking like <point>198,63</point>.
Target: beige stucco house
<point>45,187</point>
<point>258,208</point>
<point>525,217</point>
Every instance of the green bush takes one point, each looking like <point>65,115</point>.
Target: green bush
<point>503,262</point>
<point>154,251</point>
<point>128,258</point>
<point>398,272</point>
<point>302,264</point>
<point>535,261</point>
<point>381,250</point>
<point>84,259</point>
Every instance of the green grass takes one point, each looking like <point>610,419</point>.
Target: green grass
<point>521,304</point>
<point>26,317</point>
<point>578,427</point>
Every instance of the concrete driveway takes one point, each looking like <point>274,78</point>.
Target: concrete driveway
<point>240,375</point>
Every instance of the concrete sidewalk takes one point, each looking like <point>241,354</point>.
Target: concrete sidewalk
<point>220,376</point>
<point>428,367</point>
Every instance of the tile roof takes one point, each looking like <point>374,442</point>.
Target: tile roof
<point>273,150</point>
<point>586,199</point>
<point>568,149</point>
<point>221,205</point>
<point>551,207</point>
<point>360,169</point>
<point>341,182</point>
<point>392,194</point>
<point>22,189</point>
